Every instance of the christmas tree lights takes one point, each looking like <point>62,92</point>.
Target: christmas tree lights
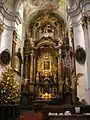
<point>9,87</point>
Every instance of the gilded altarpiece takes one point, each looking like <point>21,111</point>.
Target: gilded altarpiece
<point>44,67</point>
<point>47,73</point>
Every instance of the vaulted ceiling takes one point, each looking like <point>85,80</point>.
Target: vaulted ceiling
<point>31,7</point>
<point>39,3</point>
<point>34,5</point>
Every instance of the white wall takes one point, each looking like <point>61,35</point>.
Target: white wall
<point>79,40</point>
<point>10,19</point>
<point>6,41</point>
<point>75,15</point>
<point>82,38</point>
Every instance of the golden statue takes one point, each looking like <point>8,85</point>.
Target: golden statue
<point>55,77</point>
<point>37,77</point>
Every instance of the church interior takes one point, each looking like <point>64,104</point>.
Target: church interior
<point>44,47</point>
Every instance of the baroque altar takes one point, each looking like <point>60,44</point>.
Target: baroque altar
<point>45,73</point>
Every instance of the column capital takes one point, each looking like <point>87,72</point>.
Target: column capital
<point>9,15</point>
<point>85,21</point>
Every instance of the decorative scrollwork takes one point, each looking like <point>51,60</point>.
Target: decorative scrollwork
<point>84,23</point>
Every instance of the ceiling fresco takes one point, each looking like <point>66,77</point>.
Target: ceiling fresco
<point>34,5</point>
<point>31,7</point>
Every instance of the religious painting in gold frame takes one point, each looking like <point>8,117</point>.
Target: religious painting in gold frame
<point>46,65</point>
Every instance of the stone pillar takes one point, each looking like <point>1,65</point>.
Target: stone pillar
<point>78,41</point>
<point>86,29</point>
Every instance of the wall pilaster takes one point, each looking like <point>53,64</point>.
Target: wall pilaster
<point>78,40</point>
<point>86,29</point>
<point>81,29</point>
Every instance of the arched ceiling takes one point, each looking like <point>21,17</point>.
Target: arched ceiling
<point>34,5</point>
<point>31,7</point>
<point>39,3</point>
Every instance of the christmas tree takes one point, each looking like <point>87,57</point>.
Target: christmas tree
<point>9,87</point>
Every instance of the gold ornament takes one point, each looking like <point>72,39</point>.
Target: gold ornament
<point>10,88</point>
